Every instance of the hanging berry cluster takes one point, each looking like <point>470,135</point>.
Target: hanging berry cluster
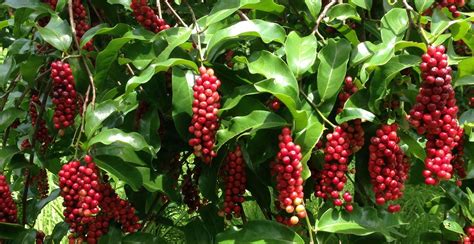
<point>42,135</point>
<point>388,166</point>
<point>452,5</point>
<point>469,238</point>
<point>330,181</point>
<point>80,22</point>
<point>189,189</point>
<point>64,95</point>
<point>90,204</point>
<point>434,115</point>
<point>289,183</point>
<point>147,17</point>
<point>41,181</point>
<point>235,180</point>
<point>458,161</point>
<point>8,211</point>
<point>205,120</point>
<point>44,21</point>
<point>40,237</point>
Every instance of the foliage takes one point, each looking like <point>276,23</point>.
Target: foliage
<point>133,95</point>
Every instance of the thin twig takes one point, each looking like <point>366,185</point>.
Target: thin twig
<point>76,41</point>
<point>10,88</point>
<point>158,5</point>
<point>316,109</point>
<point>243,15</point>
<point>130,69</point>
<point>320,18</point>
<point>176,14</point>
<point>95,11</point>
<point>196,26</point>
<point>418,27</point>
<point>310,230</point>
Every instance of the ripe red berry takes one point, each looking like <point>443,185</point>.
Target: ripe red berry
<point>434,115</point>
<point>234,178</point>
<point>147,17</point>
<point>81,22</point>
<point>388,166</point>
<point>64,95</point>
<point>42,135</point>
<point>8,210</point>
<point>205,120</point>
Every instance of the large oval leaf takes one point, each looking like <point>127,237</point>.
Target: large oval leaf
<point>133,139</point>
<point>8,116</point>
<point>57,33</point>
<point>394,25</point>
<point>120,169</point>
<point>264,231</point>
<point>182,100</point>
<point>300,52</point>
<point>96,115</point>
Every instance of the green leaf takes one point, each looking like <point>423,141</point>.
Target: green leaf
<point>120,169</point>
<point>466,67</point>
<point>342,12</point>
<point>300,52</point>
<point>142,238</point>
<point>9,115</point>
<point>238,93</point>
<point>365,4</point>
<point>453,226</point>
<point>10,231</point>
<point>422,5</point>
<point>103,29</point>
<point>96,115</point>
<point>259,231</point>
<point>332,67</point>
<point>380,82</point>
<point>6,68</point>
<point>124,152</point>
<point>182,100</point>
<point>356,108</point>
<point>196,232</point>
<point>17,4</point>
<point>29,68</point>
<point>248,124</point>
<point>133,139</point>
<point>60,230</point>
<point>466,117</point>
<point>394,25</point>
<point>6,154</point>
<point>57,33</point>
<point>164,183</point>
<point>124,3</point>
<point>267,31</point>
<point>149,126</point>
<point>154,68</point>
<point>360,53</point>
<point>439,23</point>
<point>113,236</point>
<point>26,236</point>
<point>314,7</point>
<point>174,37</point>
<point>307,139</point>
<point>214,223</point>
<point>414,145</point>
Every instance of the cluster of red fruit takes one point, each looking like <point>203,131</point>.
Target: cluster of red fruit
<point>289,182</point>
<point>42,135</point>
<point>189,189</point>
<point>64,95</point>
<point>452,5</point>
<point>80,22</point>
<point>461,48</point>
<point>44,21</point>
<point>8,209</point>
<point>434,115</point>
<point>205,120</point>
<point>90,204</point>
<point>330,181</point>
<point>469,238</point>
<point>388,166</point>
<point>41,181</point>
<point>147,17</point>
<point>235,180</point>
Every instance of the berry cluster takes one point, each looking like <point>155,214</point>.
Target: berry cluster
<point>189,189</point>
<point>452,6</point>
<point>348,89</point>
<point>289,182</point>
<point>80,22</point>
<point>469,238</point>
<point>435,113</point>
<point>235,180</point>
<point>146,16</point>
<point>64,95</point>
<point>8,211</point>
<point>44,21</point>
<point>42,135</point>
<point>90,204</point>
<point>40,237</point>
<point>205,121</point>
<point>330,181</point>
<point>41,181</point>
<point>388,166</point>
<point>458,161</point>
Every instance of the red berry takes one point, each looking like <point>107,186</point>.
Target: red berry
<point>147,17</point>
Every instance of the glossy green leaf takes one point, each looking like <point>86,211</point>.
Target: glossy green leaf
<point>32,4</point>
<point>149,126</point>
<point>10,231</point>
<point>103,29</point>
<point>267,31</point>
<point>439,23</point>
<point>281,83</point>
<point>195,232</point>
<point>6,154</point>
<point>182,83</point>
<point>342,12</point>
<point>332,67</point>
<point>124,152</point>
<point>394,25</point>
<point>307,139</point>
<point>314,7</point>
<point>133,139</point>
<point>6,68</point>
<point>259,231</point>
<point>453,226</point>
<point>96,115</point>
<point>142,238</point>
<point>300,52</point>
<point>60,230</point>
<point>57,33</point>
<point>26,236</point>
<point>120,169</point>
<point>9,115</point>
<point>124,3</point>
<point>174,37</point>
<point>236,96</point>
<point>415,147</point>
<point>113,236</point>
<point>466,67</point>
<point>154,68</point>
<point>467,117</point>
<point>365,4</point>
<point>422,5</point>
<point>247,124</point>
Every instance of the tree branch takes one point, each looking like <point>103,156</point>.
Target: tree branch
<point>320,18</point>
<point>175,14</point>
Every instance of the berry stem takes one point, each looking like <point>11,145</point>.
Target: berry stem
<point>310,230</point>
<point>198,32</point>
<point>243,16</point>
<point>320,18</point>
<point>175,14</point>
<point>316,109</point>
<point>158,5</point>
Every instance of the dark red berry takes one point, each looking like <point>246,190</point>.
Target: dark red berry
<point>147,17</point>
